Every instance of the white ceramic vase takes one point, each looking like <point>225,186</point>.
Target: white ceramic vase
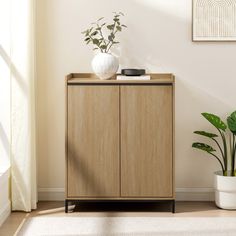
<point>105,65</point>
<point>225,191</point>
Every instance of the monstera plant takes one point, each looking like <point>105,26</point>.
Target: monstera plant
<point>224,151</point>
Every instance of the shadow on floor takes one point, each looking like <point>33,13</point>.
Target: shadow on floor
<point>122,207</point>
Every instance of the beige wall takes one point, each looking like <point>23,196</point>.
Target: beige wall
<point>158,38</point>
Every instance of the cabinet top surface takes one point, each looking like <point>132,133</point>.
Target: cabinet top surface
<point>88,78</point>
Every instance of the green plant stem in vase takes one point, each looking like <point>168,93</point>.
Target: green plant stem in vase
<point>103,37</point>
<point>95,35</point>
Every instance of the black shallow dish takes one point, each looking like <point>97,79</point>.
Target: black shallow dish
<point>133,72</point>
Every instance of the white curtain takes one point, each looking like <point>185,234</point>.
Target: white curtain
<point>22,58</point>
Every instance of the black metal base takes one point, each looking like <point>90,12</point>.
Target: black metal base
<point>173,206</point>
<point>71,201</point>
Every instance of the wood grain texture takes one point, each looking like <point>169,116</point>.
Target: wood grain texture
<point>146,141</point>
<point>93,141</point>
<point>87,78</point>
<point>173,138</point>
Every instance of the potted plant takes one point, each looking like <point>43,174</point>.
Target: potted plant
<point>103,38</point>
<point>225,179</point>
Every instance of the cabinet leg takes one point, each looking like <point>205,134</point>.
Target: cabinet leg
<point>173,206</point>
<point>66,206</point>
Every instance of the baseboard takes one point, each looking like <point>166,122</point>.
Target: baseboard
<point>182,194</point>
<point>5,211</point>
<point>195,194</point>
<point>51,194</point>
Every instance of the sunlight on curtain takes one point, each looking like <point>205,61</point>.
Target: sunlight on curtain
<point>5,132</point>
<point>22,56</point>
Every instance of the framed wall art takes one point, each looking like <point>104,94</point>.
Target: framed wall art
<point>214,20</point>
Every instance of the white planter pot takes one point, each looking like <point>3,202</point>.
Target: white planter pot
<point>105,65</point>
<point>225,191</point>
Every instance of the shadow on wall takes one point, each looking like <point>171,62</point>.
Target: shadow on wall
<point>153,38</point>
<point>163,39</point>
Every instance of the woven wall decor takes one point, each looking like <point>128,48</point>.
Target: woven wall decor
<point>214,20</point>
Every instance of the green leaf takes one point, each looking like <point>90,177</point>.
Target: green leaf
<point>95,41</point>
<point>110,27</point>
<point>86,39</point>
<point>94,33</point>
<point>124,26</point>
<point>206,134</point>
<point>100,19</point>
<point>115,42</point>
<point>110,38</point>
<point>203,147</point>
<point>103,47</point>
<point>231,121</point>
<point>116,19</point>
<point>118,28</point>
<point>215,121</point>
<point>95,49</point>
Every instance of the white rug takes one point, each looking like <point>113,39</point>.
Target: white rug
<point>129,226</point>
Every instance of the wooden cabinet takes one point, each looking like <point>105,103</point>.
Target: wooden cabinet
<point>146,141</point>
<point>93,141</point>
<point>119,139</point>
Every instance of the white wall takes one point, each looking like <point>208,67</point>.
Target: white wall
<point>158,38</point>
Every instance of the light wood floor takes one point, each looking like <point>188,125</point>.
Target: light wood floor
<point>183,209</point>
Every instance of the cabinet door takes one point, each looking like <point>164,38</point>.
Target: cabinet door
<point>146,141</point>
<point>93,141</point>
